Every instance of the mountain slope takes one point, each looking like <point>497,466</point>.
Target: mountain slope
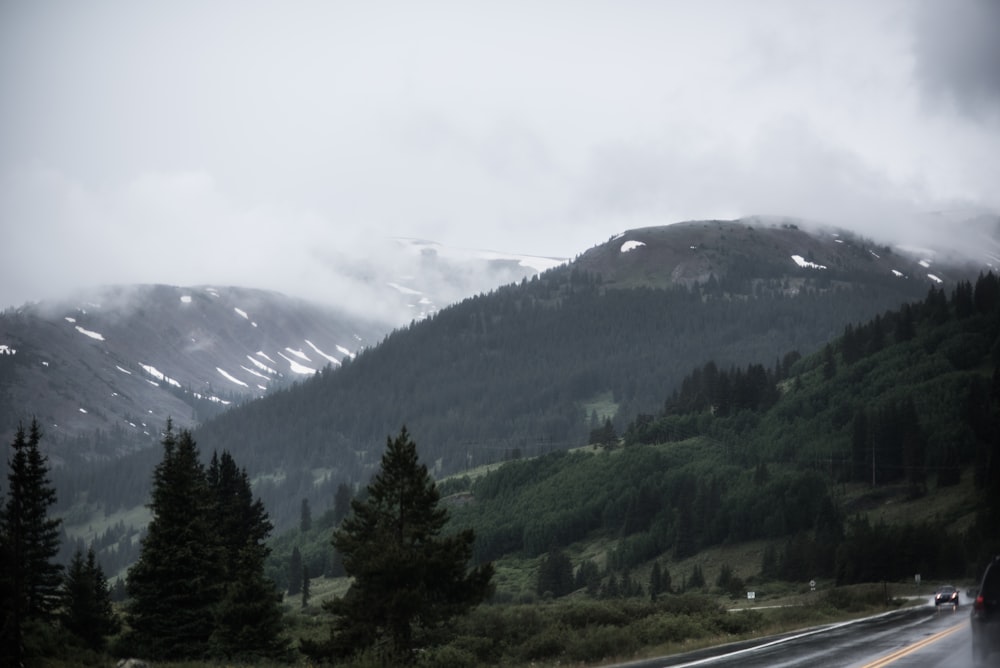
<point>104,371</point>
<point>534,367</point>
<point>901,408</point>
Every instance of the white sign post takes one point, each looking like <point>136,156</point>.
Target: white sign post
<point>751,595</point>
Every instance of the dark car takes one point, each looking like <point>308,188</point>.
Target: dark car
<point>985,616</point>
<point>946,595</point>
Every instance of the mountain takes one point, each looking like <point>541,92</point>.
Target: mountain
<point>534,367</point>
<point>103,371</point>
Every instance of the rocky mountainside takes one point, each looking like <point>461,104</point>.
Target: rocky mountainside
<point>745,255</point>
<point>103,371</point>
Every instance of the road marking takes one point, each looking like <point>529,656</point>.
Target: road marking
<point>910,649</point>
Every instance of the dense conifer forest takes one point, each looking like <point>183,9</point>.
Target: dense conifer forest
<point>909,401</point>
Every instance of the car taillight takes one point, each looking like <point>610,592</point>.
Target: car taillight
<point>980,604</point>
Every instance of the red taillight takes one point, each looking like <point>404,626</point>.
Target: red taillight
<point>980,604</point>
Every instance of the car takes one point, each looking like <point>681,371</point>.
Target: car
<point>946,595</point>
<point>985,618</point>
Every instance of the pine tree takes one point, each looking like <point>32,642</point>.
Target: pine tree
<point>87,611</point>
<point>408,579</point>
<point>555,574</point>
<point>342,503</point>
<point>305,586</point>
<point>178,581</point>
<point>655,581</point>
<point>248,618</point>
<point>295,572</point>
<point>30,580</point>
<point>305,517</point>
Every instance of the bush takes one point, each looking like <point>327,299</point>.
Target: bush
<point>601,643</point>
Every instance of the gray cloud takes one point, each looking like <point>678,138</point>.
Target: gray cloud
<point>957,49</point>
<point>278,145</point>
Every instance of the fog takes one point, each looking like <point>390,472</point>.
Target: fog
<point>284,145</point>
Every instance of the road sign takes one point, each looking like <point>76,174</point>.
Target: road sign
<point>751,595</point>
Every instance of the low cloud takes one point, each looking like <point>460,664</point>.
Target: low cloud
<point>957,53</point>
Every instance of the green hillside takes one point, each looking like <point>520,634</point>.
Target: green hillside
<point>901,412</point>
<point>747,480</point>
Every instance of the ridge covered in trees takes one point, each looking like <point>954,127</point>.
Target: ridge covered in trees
<point>911,398</point>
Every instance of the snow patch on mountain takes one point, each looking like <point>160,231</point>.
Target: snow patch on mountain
<point>403,289</point>
<point>802,262</point>
<point>297,367</point>
<point>159,375</point>
<point>298,353</point>
<point>320,352</point>
<point>631,245</point>
<point>230,377</point>
<point>263,367</point>
<point>86,332</point>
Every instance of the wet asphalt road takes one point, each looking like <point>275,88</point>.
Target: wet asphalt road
<point>921,637</point>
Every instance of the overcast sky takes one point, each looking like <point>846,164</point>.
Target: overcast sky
<point>268,143</point>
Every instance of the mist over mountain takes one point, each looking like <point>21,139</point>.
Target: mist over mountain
<point>104,368</point>
<point>535,366</point>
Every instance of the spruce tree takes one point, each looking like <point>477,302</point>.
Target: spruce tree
<point>87,612</point>
<point>295,572</point>
<point>408,578</point>
<point>555,574</point>
<point>305,517</point>
<point>249,616</point>
<point>30,580</point>
<point>177,582</point>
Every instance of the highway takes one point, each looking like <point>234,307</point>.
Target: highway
<point>918,637</point>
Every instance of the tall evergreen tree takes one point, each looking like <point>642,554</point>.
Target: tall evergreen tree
<point>248,618</point>
<point>31,578</point>
<point>555,574</point>
<point>305,517</point>
<point>178,581</point>
<point>342,503</point>
<point>408,578</point>
<point>87,612</point>
<point>295,572</point>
